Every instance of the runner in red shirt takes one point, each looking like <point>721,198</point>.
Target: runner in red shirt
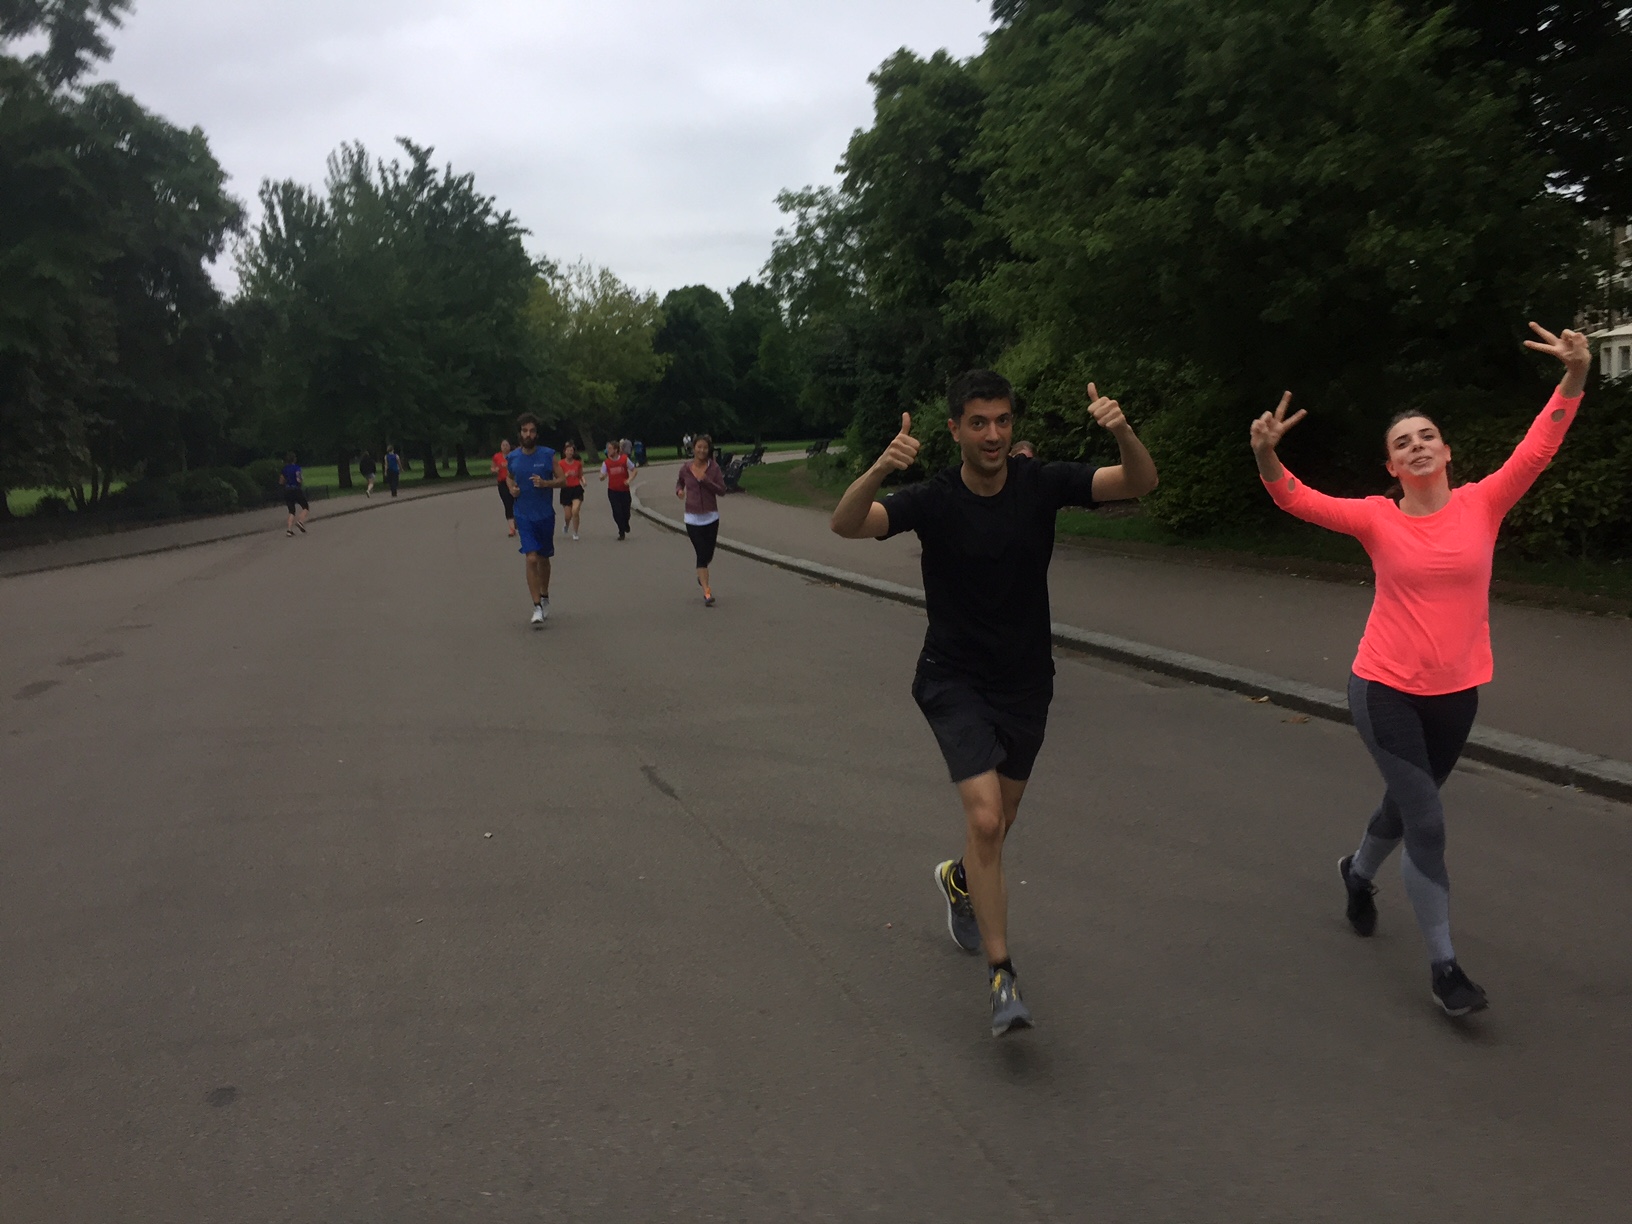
<point>501,472</point>
<point>572,493</point>
<point>616,470</point>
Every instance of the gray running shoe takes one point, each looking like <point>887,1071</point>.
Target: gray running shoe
<point>960,910</point>
<point>1009,1010</point>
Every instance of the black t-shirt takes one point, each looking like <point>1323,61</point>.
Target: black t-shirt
<point>986,568</point>
<point>365,465</point>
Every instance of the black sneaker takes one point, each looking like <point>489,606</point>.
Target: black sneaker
<point>1362,908</point>
<point>1455,993</point>
<point>960,910</point>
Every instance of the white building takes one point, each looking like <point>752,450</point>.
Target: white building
<point>1614,351</point>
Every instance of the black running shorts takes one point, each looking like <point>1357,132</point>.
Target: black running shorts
<point>980,730</point>
<point>294,496</point>
<point>571,493</point>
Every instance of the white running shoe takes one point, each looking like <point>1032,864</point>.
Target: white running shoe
<point>575,535</point>
<point>544,608</point>
<point>538,615</point>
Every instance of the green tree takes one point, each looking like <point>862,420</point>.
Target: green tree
<point>600,333</point>
<point>399,302</point>
<point>110,327</point>
<point>1218,201</point>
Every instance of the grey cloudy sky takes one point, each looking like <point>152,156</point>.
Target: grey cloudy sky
<point>650,137</point>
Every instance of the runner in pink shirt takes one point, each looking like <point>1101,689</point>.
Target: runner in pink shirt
<point>1414,690</point>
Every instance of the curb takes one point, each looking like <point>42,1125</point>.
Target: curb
<point>236,534</point>
<point>1598,775</point>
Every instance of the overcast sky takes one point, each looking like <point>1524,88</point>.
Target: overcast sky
<point>650,137</point>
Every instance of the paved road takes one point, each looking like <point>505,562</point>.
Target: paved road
<point>1562,677</point>
<point>262,963</point>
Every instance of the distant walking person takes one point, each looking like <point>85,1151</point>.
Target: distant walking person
<point>365,469</point>
<point>393,468</point>
<point>572,493</point>
<point>615,469</point>
<point>532,476</point>
<point>1414,690</point>
<point>501,469</point>
<point>700,483</point>
<point>294,494</point>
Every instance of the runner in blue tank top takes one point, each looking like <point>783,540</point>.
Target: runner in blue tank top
<point>532,475</point>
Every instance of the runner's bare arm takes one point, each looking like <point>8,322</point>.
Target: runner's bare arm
<point>858,515</point>
<point>1136,474</point>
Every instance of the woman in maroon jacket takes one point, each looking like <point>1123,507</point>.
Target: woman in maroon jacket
<point>700,483</point>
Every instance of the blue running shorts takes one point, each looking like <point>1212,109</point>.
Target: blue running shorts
<point>536,535</point>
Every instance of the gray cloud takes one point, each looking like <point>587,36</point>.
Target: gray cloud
<point>648,137</point>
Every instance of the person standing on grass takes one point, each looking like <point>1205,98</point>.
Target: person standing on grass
<point>365,469</point>
<point>615,471</point>
<point>500,467</point>
<point>294,494</point>
<point>700,483</point>
<point>532,476</point>
<point>985,676</point>
<point>572,493</point>
<point>393,468</point>
<point>1414,686</point>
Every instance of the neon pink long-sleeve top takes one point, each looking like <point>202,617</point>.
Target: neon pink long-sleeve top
<point>1429,628</point>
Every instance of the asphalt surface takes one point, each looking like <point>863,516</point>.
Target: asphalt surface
<point>261,961</point>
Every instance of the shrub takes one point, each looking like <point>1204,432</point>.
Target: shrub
<point>51,507</point>
<point>264,474</point>
<point>203,492</point>
<point>243,484</point>
<point>153,498</point>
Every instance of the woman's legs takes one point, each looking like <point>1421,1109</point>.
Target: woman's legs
<point>702,543</point>
<point>1416,742</point>
<point>509,501</point>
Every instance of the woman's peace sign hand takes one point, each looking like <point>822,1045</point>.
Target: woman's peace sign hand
<point>1269,429</point>
<point>1572,349</point>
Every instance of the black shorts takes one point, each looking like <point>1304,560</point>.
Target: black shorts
<point>979,729</point>
<point>570,494</point>
<point>295,497</point>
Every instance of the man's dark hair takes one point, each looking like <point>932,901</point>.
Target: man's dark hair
<point>526,418</point>
<point>289,456</point>
<point>977,384</point>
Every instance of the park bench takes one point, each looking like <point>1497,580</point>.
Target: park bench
<point>732,471</point>
<point>817,448</point>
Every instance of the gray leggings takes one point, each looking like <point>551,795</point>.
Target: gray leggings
<point>1415,742</point>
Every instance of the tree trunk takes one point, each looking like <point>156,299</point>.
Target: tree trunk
<point>590,449</point>
<point>107,481</point>
<point>5,507</point>
<point>402,457</point>
<point>429,464</point>
<point>444,463</point>
<point>343,465</point>
<point>464,470</point>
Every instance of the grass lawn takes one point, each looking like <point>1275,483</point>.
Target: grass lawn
<point>795,483</point>
<point>23,501</point>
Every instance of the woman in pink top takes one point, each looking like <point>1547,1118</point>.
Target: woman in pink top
<point>1414,690</point>
<point>700,483</point>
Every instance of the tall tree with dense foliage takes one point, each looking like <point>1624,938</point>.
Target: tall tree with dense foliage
<point>599,332</point>
<point>401,305</point>
<point>110,326</point>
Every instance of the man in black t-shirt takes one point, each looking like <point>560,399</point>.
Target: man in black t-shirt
<point>986,673</point>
